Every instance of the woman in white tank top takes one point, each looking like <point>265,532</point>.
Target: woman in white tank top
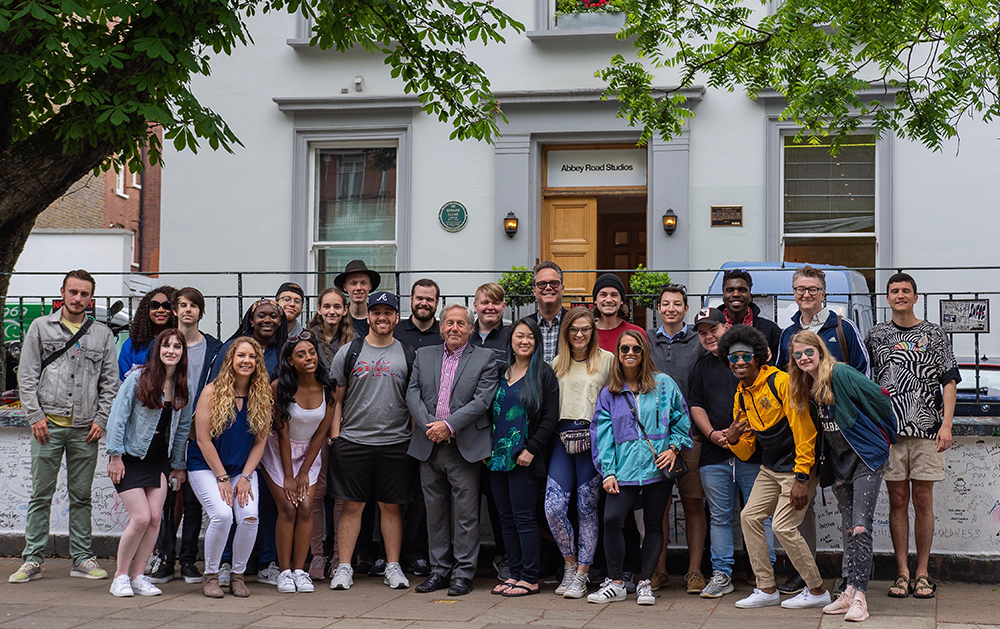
<point>303,410</point>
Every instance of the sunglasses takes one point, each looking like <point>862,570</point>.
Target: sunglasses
<point>304,336</point>
<point>746,356</point>
<point>541,284</point>
<point>630,349</point>
<point>808,352</point>
<point>159,305</point>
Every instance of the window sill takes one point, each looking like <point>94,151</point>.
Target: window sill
<point>566,34</point>
<point>121,194</point>
<point>298,42</point>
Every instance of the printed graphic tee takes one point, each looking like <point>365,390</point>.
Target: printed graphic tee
<point>374,412</point>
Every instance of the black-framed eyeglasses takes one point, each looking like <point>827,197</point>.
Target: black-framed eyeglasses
<point>541,284</point>
<point>809,351</point>
<point>305,335</point>
<point>802,290</point>
<point>745,356</point>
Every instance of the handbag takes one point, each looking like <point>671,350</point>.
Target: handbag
<point>680,467</point>
<point>575,441</point>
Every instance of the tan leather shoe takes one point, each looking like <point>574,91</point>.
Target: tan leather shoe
<point>237,587</point>
<point>210,585</point>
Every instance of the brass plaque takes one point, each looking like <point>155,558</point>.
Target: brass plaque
<point>727,216</point>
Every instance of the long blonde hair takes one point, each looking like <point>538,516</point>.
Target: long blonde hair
<point>647,372</point>
<point>804,386</point>
<point>259,399</point>
<point>564,358</point>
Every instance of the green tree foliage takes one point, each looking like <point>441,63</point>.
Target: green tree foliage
<point>910,67</point>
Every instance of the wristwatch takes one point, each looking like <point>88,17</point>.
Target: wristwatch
<point>248,477</point>
<point>223,479</point>
<point>802,477</point>
<point>674,448</point>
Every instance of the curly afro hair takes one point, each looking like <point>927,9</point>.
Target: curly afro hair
<point>141,331</point>
<point>747,336</point>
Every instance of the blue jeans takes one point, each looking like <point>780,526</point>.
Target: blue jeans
<point>516,496</point>
<point>721,482</point>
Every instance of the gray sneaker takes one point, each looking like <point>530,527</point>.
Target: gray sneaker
<point>269,574</point>
<point>342,578</point>
<point>225,570</point>
<point>569,571</point>
<point>719,585</point>
<point>578,588</point>
<point>394,576</point>
<point>29,571</point>
<point>628,579</point>
<point>89,569</point>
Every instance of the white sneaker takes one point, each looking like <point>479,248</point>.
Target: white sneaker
<point>394,576</point>
<point>569,572</point>
<point>144,587</point>
<point>842,603</point>
<point>759,599</point>
<point>719,585</point>
<point>286,584</point>
<point>806,600</point>
<point>269,574</point>
<point>224,571</point>
<point>608,593</point>
<point>303,582</point>
<point>152,564</point>
<point>121,586</point>
<point>644,593</point>
<point>578,588</point>
<point>342,578</point>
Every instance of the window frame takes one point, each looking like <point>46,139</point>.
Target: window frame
<point>120,182</point>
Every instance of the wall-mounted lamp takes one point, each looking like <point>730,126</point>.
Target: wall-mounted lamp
<point>510,224</point>
<point>359,82</point>
<point>669,222</point>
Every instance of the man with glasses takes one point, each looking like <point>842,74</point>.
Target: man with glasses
<point>738,306</point>
<point>610,311</point>
<point>547,279</point>
<point>290,298</point>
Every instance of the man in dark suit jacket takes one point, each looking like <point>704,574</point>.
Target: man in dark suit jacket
<point>449,397</point>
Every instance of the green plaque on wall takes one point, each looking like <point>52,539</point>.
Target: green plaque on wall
<point>453,216</point>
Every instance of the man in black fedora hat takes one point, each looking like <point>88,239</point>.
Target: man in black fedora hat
<point>357,281</point>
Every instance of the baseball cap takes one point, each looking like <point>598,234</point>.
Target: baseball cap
<point>711,315</point>
<point>383,298</point>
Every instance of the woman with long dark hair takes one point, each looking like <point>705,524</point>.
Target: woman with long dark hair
<point>525,413</point>
<point>303,410</point>
<point>153,315</point>
<point>640,424</point>
<point>856,427</point>
<point>331,325</point>
<point>147,436</point>
<point>232,422</point>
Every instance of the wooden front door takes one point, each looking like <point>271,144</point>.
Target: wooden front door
<point>569,238</point>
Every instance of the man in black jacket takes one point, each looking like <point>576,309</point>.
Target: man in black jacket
<point>738,306</point>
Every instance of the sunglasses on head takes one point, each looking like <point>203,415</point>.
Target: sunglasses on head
<point>304,336</point>
<point>809,351</point>
<point>159,305</point>
<point>633,349</point>
<point>746,356</point>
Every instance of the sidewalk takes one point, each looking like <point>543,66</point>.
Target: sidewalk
<point>56,601</point>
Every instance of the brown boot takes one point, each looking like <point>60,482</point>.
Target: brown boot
<point>237,587</point>
<point>210,585</point>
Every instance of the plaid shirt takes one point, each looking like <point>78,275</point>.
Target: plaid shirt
<point>550,335</point>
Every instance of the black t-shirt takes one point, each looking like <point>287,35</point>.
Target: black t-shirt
<point>713,388</point>
<point>847,465</point>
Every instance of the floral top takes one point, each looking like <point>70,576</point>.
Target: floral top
<point>510,426</point>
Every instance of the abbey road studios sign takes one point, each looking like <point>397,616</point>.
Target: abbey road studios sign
<point>596,169</point>
<point>453,216</point>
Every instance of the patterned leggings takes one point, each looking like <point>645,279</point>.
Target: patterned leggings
<point>566,473</point>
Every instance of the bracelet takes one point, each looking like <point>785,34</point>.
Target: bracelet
<point>674,448</point>
<point>223,479</point>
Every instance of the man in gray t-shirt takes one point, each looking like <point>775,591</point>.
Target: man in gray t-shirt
<point>374,410</point>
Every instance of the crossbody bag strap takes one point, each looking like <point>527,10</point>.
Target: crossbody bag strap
<point>638,423</point>
<point>845,350</point>
<point>54,356</point>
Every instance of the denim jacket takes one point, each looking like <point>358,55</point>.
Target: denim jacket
<point>81,383</point>
<point>131,425</point>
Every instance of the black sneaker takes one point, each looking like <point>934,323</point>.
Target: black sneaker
<point>419,567</point>
<point>629,580</point>
<point>163,573</point>
<point>793,585</point>
<point>378,569</point>
<point>364,563</point>
<point>191,573</point>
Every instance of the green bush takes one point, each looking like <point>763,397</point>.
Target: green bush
<point>517,285</point>
<point>645,286</point>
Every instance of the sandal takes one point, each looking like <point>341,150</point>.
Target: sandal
<point>923,583</point>
<point>521,590</point>
<point>502,589</point>
<point>902,582</point>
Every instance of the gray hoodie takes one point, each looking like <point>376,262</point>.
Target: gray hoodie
<point>677,358</point>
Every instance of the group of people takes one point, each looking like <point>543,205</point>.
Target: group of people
<point>361,421</point>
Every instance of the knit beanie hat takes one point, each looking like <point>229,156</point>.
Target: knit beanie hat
<point>609,280</point>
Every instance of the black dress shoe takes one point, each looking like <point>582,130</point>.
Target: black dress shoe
<point>793,585</point>
<point>419,568</point>
<point>434,582</point>
<point>460,586</point>
<point>377,569</point>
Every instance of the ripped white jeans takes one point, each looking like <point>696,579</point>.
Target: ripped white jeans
<point>221,518</point>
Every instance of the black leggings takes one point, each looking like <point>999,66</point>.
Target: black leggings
<point>620,506</point>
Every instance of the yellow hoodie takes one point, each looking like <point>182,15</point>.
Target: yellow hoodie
<point>786,435</point>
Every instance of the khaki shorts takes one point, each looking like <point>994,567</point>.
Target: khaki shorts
<point>689,486</point>
<point>913,458</point>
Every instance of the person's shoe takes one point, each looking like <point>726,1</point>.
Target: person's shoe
<point>659,580</point>
<point>840,586</point>
<point>121,586</point>
<point>342,578</point>
<point>144,587</point>
<point>859,608</point>
<point>432,583</point>
<point>303,582</point>
<point>608,593</point>
<point>163,574</point>
<point>720,585</point>
<point>365,563</point>
<point>317,567</point>
<point>578,588</point>
<point>394,576</point>
<point>569,572</point>
<point>377,569</point>
<point>237,586</point>
<point>793,585</point>
<point>759,599</point>
<point>210,585</point>
<point>225,572</point>
<point>191,573</point>
<point>629,580</point>
<point>460,586</point>
<point>419,567</point>
<point>286,584</point>
<point>152,564</point>
<point>89,569</point>
<point>502,567</point>
<point>807,600</point>
<point>695,582</point>
<point>644,593</point>
<point>29,571</point>
<point>842,603</point>
<point>269,574</point>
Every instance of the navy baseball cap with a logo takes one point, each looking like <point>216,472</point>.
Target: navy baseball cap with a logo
<point>383,298</point>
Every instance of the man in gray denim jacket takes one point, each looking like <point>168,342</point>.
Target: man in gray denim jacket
<point>67,404</point>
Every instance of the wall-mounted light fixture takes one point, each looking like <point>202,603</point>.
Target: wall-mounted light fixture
<point>669,222</point>
<point>359,82</point>
<point>510,224</point>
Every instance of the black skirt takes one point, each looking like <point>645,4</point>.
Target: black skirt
<point>143,472</point>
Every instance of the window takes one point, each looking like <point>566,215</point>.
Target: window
<point>828,202</point>
<point>354,209</point>
<point>137,180</point>
<point>120,183</point>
